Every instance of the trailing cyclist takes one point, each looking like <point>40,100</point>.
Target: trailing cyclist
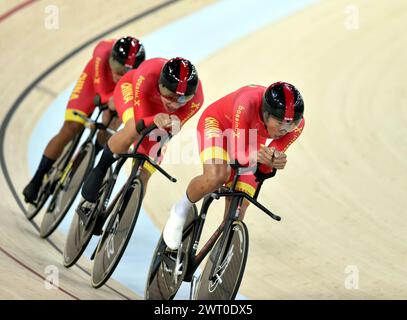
<point>162,92</point>
<point>110,61</point>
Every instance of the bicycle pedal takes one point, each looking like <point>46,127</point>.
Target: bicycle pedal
<point>32,203</point>
<point>169,251</point>
<point>84,210</point>
<point>179,268</point>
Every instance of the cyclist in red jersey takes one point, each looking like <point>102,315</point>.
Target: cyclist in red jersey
<point>162,92</point>
<point>236,129</point>
<point>110,61</point>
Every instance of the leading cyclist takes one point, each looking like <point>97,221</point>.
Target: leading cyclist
<point>235,129</point>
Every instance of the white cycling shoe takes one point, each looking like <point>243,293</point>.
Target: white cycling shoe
<point>172,233</point>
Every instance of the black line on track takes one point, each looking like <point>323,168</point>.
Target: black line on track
<point>23,95</point>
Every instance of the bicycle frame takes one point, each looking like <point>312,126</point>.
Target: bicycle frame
<point>135,172</point>
<point>94,126</point>
<point>195,258</point>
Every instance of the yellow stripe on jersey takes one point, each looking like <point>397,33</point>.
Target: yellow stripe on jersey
<point>244,187</point>
<point>214,153</point>
<point>127,115</point>
<point>69,116</point>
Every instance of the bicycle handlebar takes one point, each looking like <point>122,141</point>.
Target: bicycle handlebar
<point>152,162</point>
<point>87,119</point>
<point>217,195</point>
<point>255,170</point>
<point>145,132</point>
<point>103,107</point>
<point>98,125</point>
<point>263,176</point>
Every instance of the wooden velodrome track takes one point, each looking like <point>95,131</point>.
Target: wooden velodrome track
<point>342,195</point>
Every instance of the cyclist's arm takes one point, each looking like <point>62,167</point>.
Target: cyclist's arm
<point>183,114</point>
<point>81,85</point>
<point>123,97</point>
<point>102,80</point>
<point>283,143</point>
<point>240,137</point>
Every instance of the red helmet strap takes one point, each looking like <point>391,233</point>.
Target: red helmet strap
<point>183,77</point>
<point>131,57</point>
<point>289,101</point>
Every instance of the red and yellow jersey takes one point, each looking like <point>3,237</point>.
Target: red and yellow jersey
<point>102,73</point>
<point>96,78</point>
<point>225,132</point>
<point>239,111</point>
<point>137,95</point>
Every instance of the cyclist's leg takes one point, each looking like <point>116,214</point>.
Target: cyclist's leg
<point>51,154</point>
<point>145,176</point>
<point>57,144</point>
<point>243,208</point>
<point>120,142</point>
<point>214,156</point>
<point>81,100</point>
<point>247,183</point>
<point>149,148</point>
<point>216,170</point>
<point>213,177</point>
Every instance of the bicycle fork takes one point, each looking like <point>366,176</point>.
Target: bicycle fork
<point>220,268</point>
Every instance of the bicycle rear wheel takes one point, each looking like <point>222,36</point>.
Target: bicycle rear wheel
<point>117,234</point>
<point>224,282</point>
<point>67,189</point>
<point>161,283</point>
<point>78,235</point>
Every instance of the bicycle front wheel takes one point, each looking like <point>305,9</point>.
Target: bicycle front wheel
<point>117,234</point>
<point>220,279</point>
<point>79,235</point>
<point>162,283</point>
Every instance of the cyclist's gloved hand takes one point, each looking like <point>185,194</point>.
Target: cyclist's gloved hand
<point>162,120</point>
<point>279,160</point>
<point>165,121</point>
<point>272,157</point>
<point>265,155</point>
<point>175,125</point>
